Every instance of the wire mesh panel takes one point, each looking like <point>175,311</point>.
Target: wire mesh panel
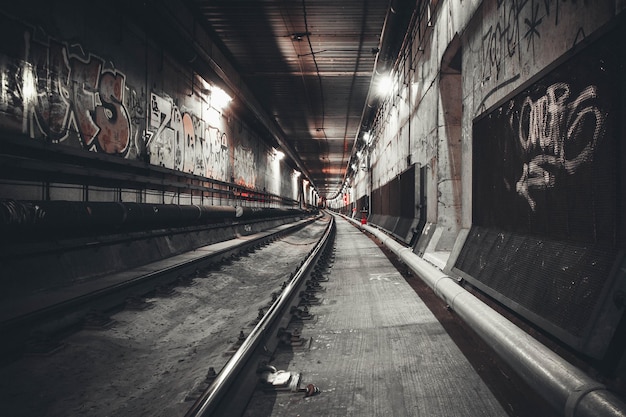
<point>547,170</point>
<point>393,206</point>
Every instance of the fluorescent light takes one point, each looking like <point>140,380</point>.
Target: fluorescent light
<point>384,85</point>
<point>219,98</point>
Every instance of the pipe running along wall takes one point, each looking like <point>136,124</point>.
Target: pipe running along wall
<point>568,389</point>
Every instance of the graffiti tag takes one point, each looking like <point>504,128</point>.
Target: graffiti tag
<point>63,88</point>
<point>244,167</point>
<point>558,134</point>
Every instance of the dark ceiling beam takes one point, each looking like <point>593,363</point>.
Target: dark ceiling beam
<point>310,74</point>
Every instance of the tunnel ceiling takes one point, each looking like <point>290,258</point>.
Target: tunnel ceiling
<point>309,63</point>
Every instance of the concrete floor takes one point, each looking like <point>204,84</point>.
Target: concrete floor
<point>376,349</point>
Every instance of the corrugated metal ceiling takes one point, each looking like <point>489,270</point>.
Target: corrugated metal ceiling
<point>309,64</point>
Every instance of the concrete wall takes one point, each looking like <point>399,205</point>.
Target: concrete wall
<point>428,117</point>
<point>536,90</point>
<point>87,76</point>
<point>508,43</point>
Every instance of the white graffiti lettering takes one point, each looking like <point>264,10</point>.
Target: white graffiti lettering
<point>181,141</point>
<point>216,154</point>
<point>244,167</point>
<point>557,135</point>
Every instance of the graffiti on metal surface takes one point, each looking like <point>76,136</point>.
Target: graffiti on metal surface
<point>558,133</point>
<point>546,160</point>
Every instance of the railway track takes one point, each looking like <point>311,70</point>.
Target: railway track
<point>157,355</point>
<point>33,323</point>
<point>228,393</point>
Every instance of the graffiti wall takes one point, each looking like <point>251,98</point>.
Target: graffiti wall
<point>551,149</point>
<point>246,161</point>
<point>55,90</point>
<point>58,92</point>
<point>518,38</point>
<point>547,173</point>
<point>180,140</point>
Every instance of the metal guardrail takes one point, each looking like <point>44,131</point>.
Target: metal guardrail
<point>22,159</point>
<point>228,394</point>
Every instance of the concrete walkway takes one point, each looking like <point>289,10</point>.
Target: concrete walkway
<point>376,349</point>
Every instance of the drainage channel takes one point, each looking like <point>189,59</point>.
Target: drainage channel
<point>228,392</point>
<point>40,330</point>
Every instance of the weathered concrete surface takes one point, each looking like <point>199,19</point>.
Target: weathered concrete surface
<point>376,349</point>
<point>501,45</point>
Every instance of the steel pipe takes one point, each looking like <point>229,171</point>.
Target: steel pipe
<point>568,389</point>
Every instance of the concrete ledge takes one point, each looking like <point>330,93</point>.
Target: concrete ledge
<point>65,263</point>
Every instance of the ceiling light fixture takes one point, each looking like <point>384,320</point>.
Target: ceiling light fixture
<point>384,86</point>
<point>278,154</point>
<point>219,98</point>
<point>298,36</point>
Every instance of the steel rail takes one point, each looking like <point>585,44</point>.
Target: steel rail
<point>567,388</point>
<point>211,402</point>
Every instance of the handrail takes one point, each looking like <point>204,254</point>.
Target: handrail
<point>66,165</point>
<point>210,399</point>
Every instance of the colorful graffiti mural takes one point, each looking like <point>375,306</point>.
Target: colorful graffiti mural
<point>180,140</point>
<point>58,92</point>
<point>244,167</point>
